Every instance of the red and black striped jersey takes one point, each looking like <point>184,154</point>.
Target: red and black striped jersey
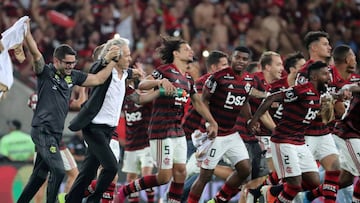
<point>228,94</point>
<point>301,106</point>
<point>192,119</point>
<point>137,119</point>
<point>167,111</point>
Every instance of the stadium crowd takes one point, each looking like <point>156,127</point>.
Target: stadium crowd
<point>275,25</point>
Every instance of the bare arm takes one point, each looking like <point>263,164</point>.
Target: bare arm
<point>149,83</point>
<point>264,107</point>
<point>80,96</point>
<point>142,98</point>
<point>202,108</point>
<point>258,94</point>
<point>38,60</point>
<point>268,121</point>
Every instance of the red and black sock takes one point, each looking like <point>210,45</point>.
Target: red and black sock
<point>141,184</point>
<point>175,192</point>
<point>288,194</point>
<point>356,194</point>
<point>226,193</point>
<point>330,186</point>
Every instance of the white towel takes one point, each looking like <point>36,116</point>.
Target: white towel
<point>11,38</point>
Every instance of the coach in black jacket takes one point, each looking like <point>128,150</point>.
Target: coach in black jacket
<point>97,119</point>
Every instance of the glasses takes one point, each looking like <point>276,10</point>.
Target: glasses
<point>70,63</point>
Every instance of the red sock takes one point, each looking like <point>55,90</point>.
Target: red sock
<point>175,192</point>
<point>193,198</point>
<point>150,195</point>
<point>288,194</point>
<point>356,194</point>
<point>330,186</point>
<point>272,179</point>
<point>141,184</point>
<point>226,193</point>
<point>108,195</point>
<point>134,197</point>
<point>90,189</point>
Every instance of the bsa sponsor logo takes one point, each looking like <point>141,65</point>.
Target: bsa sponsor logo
<point>234,100</point>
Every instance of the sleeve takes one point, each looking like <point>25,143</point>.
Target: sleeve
<point>210,84</point>
<point>79,77</point>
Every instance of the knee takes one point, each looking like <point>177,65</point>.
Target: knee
<point>180,171</point>
<point>205,175</point>
<point>243,168</point>
<point>164,176</point>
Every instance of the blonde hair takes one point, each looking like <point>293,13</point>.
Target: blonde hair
<point>266,58</point>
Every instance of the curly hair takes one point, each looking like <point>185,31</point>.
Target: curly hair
<point>169,44</point>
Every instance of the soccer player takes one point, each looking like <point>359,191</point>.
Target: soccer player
<point>292,159</point>
<point>167,137</point>
<point>343,74</point>
<point>226,92</point>
<point>216,60</point>
<point>318,136</point>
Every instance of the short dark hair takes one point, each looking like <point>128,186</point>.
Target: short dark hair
<point>245,50</point>
<point>340,52</point>
<point>15,124</point>
<point>62,50</point>
<point>214,58</point>
<point>292,59</point>
<point>313,36</point>
<point>315,67</point>
<point>169,44</point>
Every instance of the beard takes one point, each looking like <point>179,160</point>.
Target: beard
<point>322,87</point>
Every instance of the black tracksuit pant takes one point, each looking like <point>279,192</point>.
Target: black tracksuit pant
<point>98,137</point>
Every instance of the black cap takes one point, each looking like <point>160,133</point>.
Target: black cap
<point>16,124</point>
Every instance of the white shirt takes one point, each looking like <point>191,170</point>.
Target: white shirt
<point>109,113</point>
<point>10,38</point>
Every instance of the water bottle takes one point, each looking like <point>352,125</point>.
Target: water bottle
<point>179,92</point>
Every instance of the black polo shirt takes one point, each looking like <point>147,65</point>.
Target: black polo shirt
<point>53,97</point>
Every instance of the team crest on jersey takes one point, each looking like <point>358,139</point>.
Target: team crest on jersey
<point>52,149</point>
<point>302,80</point>
<point>156,74</point>
<point>166,161</point>
<point>247,87</point>
<point>290,95</point>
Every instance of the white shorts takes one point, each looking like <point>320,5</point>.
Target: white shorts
<point>264,142</point>
<point>321,146</point>
<point>134,161</point>
<point>350,155</point>
<point>68,159</point>
<point>168,151</point>
<point>115,148</point>
<point>292,160</point>
<point>232,146</point>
